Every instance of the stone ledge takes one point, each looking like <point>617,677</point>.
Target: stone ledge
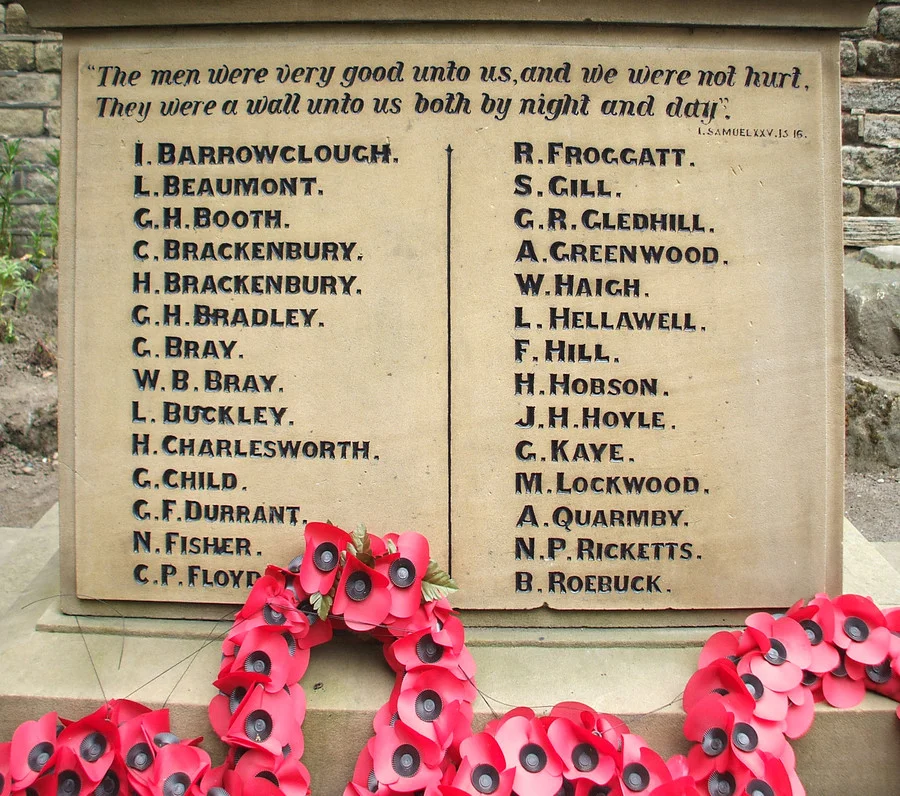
<point>348,681</point>
<point>840,15</point>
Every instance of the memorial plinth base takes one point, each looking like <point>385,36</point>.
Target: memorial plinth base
<point>635,674</point>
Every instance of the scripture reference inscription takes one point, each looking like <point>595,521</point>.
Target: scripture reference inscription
<point>553,306</point>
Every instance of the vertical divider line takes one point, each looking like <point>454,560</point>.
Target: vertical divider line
<point>449,370</point>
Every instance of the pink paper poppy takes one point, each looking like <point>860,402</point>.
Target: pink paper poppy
<point>526,747</point>
<point>325,544</point>
<point>482,768</point>
<point>860,629</point>
<point>784,651</point>
<point>801,712</point>
<point>362,599</point>
<point>768,704</point>
<point>844,686</point>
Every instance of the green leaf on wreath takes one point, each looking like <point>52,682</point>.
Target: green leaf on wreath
<point>361,546</point>
<point>391,547</point>
<point>325,606</point>
<point>437,583</point>
<point>315,600</point>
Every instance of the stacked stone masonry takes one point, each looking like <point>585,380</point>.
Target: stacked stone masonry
<point>870,68</point>
<point>870,100</point>
<point>30,62</point>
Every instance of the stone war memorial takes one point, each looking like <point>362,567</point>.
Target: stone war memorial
<point>556,285</point>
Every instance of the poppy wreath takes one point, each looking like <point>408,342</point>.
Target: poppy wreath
<point>755,690</point>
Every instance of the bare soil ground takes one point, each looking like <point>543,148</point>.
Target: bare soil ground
<point>28,460</point>
<point>29,466</point>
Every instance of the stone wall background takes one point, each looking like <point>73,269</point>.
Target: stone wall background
<point>870,100</point>
<point>30,62</point>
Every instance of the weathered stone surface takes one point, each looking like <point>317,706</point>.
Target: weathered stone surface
<point>889,22</point>
<point>17,19</point>
<point>19,122</point>
<point>870,29</point>
<point>872,423</point>
<point>872,311</point>
<point>880,200</point>
<point>866,163</point>
<point>48,56</point>
<point>879,59</point>
<point>29,87</point>
<point>882,130</point>
<point>36,150</point>
<point>850,129</point>
<point>42,183</point>
<point>851,200</point>
<point>881,256</point>
<point>848,59</point>
<point>16,55</point>
<point>867,231</point>
<point>874,95</point>
<point>53,122</point>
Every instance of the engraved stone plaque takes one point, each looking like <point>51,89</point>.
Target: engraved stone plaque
<point>567,302</point>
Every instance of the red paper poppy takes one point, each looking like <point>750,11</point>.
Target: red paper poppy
<point>325,544</point>
<point>405,570</point>
<point>585,756</point>
<point>94,741</point>
<point>429,703</point>
<point>137,749</point>
<point>362,597</point>
<point>178,769</point>
<point>643,770</point>
<point>33,750</point>
<point>710,725</point>
<point>526,747</point>
<point>405,761</point>
<point>861,630</point>
<point>721,677</point>
<point>5,777</point>
<point>609,727</point>
<point>482,768</point>
<point>236,785</point>
<point>725,644</point>
<point>233,687</point>
<point>423,649</point>
<point>274,655</point>
<point>774,780</point>
<point>266,721</point>
<point>285,772</point>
